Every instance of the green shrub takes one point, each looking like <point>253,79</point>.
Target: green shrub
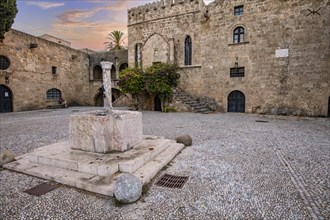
<point>168,108</point>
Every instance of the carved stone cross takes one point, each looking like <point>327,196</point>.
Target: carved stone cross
<point>106,67</point>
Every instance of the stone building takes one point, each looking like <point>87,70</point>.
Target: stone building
<point>255,56</point>
<point>36,72</point>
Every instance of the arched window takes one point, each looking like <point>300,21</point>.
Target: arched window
<point>123,66</point>
<point>238,35</point>
<point>4,62</point>
<point>187,51</point>
<point>53,94</point>
<point>97,73</point>
<point>136,55</point>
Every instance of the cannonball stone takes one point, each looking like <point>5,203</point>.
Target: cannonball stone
<point>128,188</point>
<point>184,139</point>
<point>6,156</point>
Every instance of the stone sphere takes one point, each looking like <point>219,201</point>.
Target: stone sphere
<point>184,139</point>
<point>128,188</point>
<point>6,157</point>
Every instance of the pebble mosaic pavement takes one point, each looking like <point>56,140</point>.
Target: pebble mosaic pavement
<point>238,169</point>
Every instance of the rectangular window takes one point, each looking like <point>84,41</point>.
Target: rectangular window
<point>54,70</point>
<point>238,10</point>
<point>237,72</point>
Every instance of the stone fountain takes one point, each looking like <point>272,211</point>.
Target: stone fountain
<point>109,130</point>
<point>103,146</point>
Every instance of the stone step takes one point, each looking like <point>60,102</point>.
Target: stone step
<point>197,105</point>
<point>154,148</point>
<point>150,169</point>
<point>62,156</point>
<point>94,183</point>
<point>202,109</point>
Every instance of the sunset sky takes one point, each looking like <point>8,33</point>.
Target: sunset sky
<point>85,23</point>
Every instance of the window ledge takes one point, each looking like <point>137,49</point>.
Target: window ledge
<point>191,66</point>
<point>241,43</point>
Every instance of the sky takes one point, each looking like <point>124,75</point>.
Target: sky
<point>85,23</point>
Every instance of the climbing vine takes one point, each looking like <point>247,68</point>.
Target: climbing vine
<point>158,79</point>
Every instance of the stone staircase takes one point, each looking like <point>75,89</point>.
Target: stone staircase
<point>96,172</point>
<point>194,104</point>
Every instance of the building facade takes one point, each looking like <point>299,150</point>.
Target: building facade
<point>255,56</point>
<point>35,73</point>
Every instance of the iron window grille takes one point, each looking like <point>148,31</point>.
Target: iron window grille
<point>238,10</point>
<point>238,35</point>
<point>53,94</point>
<point>4,63</point>
<point>237,72</point>
<point>187,51</point>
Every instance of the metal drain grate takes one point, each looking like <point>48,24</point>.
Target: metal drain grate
<point>262,121</point>
<point>171,181</point>
<point>41,189</point>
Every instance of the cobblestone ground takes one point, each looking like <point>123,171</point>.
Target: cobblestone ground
<point>238,168</point>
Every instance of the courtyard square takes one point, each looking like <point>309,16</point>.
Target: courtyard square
<point>240,166</point>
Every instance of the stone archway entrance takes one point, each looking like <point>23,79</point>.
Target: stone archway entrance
<point>236,102</point>
<point>6,102</point>
<point>99,97</point>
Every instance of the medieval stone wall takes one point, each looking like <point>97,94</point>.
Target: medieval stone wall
<point>285,52</point>
<point>38,65</point>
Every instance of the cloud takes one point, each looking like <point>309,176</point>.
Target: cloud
<point>46,5</point>
<point>80,27</point>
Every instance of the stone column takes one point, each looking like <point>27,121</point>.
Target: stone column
<point>117,67</point>
<point>106,67</point>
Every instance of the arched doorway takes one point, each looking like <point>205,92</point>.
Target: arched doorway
<point>99,97</point>
<point>157,104</point>
<point>115,94</point>
<point>99,100</point>
<point>236,102</point>
<point>6,102</point>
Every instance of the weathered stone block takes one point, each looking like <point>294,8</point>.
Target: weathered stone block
<point>119,131</point>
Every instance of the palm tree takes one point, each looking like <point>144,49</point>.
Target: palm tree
<point>115,40</point>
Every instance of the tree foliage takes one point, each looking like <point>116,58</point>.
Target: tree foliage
<point>158,79</point>
<point>8,11</point>
<point>115,42</point>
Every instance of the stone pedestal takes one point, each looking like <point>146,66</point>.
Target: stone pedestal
<point>119,131</point>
